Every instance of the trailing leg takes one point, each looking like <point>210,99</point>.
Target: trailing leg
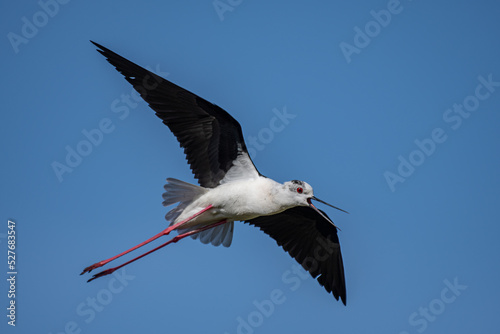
<point>173,240</point>
<point>162,233</point>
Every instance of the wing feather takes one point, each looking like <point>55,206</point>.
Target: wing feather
<point>311,241</point>
<point>211,138</point>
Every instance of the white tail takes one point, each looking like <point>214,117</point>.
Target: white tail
<point>180,191</point>
<point>184,193</point>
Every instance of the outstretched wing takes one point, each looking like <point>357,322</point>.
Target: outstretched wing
<point>212,139</point>
<point>312,241</point>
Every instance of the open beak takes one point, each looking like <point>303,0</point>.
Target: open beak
<point>317,199</point>
<point>321,213</point>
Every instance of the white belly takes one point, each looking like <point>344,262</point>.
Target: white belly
<point>238,200</point>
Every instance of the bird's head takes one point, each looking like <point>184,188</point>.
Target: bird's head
<point>301,194</point>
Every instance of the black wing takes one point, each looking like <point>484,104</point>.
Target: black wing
<point>312,241</point>
<point>212,139</point>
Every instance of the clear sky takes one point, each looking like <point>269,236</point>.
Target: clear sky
<point>390,110</point>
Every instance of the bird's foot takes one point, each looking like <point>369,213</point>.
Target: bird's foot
<point>92,267</point>
<point>102,273</point>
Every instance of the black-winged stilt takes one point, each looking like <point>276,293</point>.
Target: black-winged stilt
<point>231,189</point>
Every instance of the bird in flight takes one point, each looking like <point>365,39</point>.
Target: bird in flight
<point>231,188</point>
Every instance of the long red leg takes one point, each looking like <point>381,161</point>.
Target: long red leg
<point>162,233</point>
<point>174,239</point>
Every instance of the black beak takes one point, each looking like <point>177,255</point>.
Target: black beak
<point>321,213</point>
<point>317,199</point>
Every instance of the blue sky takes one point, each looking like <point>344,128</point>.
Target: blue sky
<point>392,114</point>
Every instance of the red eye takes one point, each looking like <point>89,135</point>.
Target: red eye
<point>300,190</point>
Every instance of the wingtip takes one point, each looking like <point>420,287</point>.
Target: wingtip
<point>102,48</point>
<point>340,296</point>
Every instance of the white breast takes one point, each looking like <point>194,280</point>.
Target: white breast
<point>237,200</point>
<point>245,199</point>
